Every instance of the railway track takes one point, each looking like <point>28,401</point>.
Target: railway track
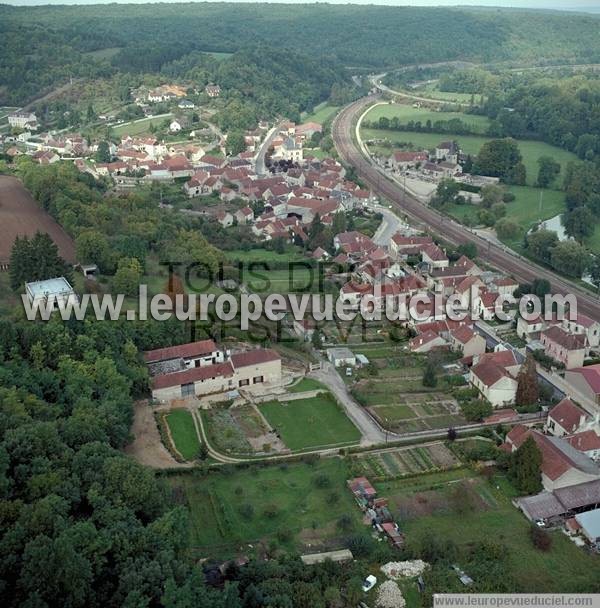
<point>497,256</point>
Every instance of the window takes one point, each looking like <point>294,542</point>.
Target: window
<point>257,379</point>
<point>244,383</point>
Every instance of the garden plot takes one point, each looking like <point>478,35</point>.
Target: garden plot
<point>241,430</point>
<point>406,461</point>
<point>405,412</point>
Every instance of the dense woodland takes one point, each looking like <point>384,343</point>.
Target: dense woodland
<point>44,46</point>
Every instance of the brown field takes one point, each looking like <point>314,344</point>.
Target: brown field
<point>20,215</point>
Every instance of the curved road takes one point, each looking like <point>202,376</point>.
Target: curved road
<point>497,256</point>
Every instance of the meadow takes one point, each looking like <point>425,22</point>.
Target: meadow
<point>406,113</point>
<point>288,504</point>
<point>310,423</point>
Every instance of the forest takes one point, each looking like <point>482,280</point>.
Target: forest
<point>45,46</point>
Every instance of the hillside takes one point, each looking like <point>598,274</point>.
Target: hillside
<point>95,40</point>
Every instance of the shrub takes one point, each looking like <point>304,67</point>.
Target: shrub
<point>540,538</point>
<point>246,511</point>
<point>322,480</point>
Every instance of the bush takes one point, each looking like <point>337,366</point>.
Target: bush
<point>322,481</point>
<point>246,511</point>
<point>271,511</point>
<point>344,522</point>
<point>540,538</point>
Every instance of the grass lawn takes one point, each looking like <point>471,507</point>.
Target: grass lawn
<point>406,113</point>
<point>306,384</point>
<point>184,433</point>
<point>290,280</point>
<point>530,149</point>
<point>320,113</point>
<point>139,127</point>
<point>525,209</point>
<point>265,255</point>
<point>310,423</point>
<point>228,510</point>
<point>495,518</point>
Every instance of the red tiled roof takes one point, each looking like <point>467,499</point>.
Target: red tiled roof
<point>254,357</point>
<point>463,334</point>
<point>567,414</point>
<point>568,341</point>
<point>195,374</point>
<point>585,441</point>
<point>192,349</point>
<point>591,374</point>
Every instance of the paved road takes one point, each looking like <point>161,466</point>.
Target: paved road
<point>371,433</point>
<point>497,256</point>
<point>390,225</point>
<point>260,167</point>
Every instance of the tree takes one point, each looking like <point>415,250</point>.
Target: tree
<point>570,258</point>
<point>103,153</point>
<point>36,259</point>
<point>527,383</point>
<point>540,244</point>
<point>447,192</point>
<point>429,375</point>
<point>507,229</point>
<point>548,171</point>
<point>579,223</point>
<point>92,246</point>
<point>594,271</point>
<point>500,158</point>
<point>525,468</point>
<point>468,249</point>
<point>236,142</point>
<point>128,276</point>
<point>491,195</point>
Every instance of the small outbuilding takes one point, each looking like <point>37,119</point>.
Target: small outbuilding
<point>341,356</point>
<point>590,525</point>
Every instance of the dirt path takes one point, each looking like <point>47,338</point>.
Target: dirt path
<point>147,447</point>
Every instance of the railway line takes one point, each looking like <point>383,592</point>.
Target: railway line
<point>523,270</point>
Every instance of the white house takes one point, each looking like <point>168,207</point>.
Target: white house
<point>495,376</point>
<point>565,418</point>
<point>341,356</point>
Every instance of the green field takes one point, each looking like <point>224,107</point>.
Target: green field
<point>262,504</point>
<point>494,518</point>
<point>394,412</point>
<point>321,113</point>
<point>184,433</point>
<point>471,144</point>
<point>525,209</point>
<point>294,279</point>
<point>310,423</point>
<point>265,255</point>
<point>406,113</point>
<point>139,126</point>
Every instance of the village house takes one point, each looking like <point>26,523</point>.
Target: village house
<point>426,341</point>
<point>23,120</point>
<point>587,442</point>
<point>586,380</point>
<point>562,465</point>
<point>401,160</point>
<point>495,376</point>
<point>565,418</point>
<point>57,290</point>
<point>565,348</point>
<point>447,151</point>
<point>466,341</point>
<point>245,215</point>
<point>212,90</point>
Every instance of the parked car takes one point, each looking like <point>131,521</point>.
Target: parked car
<point>369,583</point>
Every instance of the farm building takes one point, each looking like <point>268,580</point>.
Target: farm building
<point>201,368</point>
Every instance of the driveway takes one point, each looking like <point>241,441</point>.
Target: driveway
<point>371,433</point>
